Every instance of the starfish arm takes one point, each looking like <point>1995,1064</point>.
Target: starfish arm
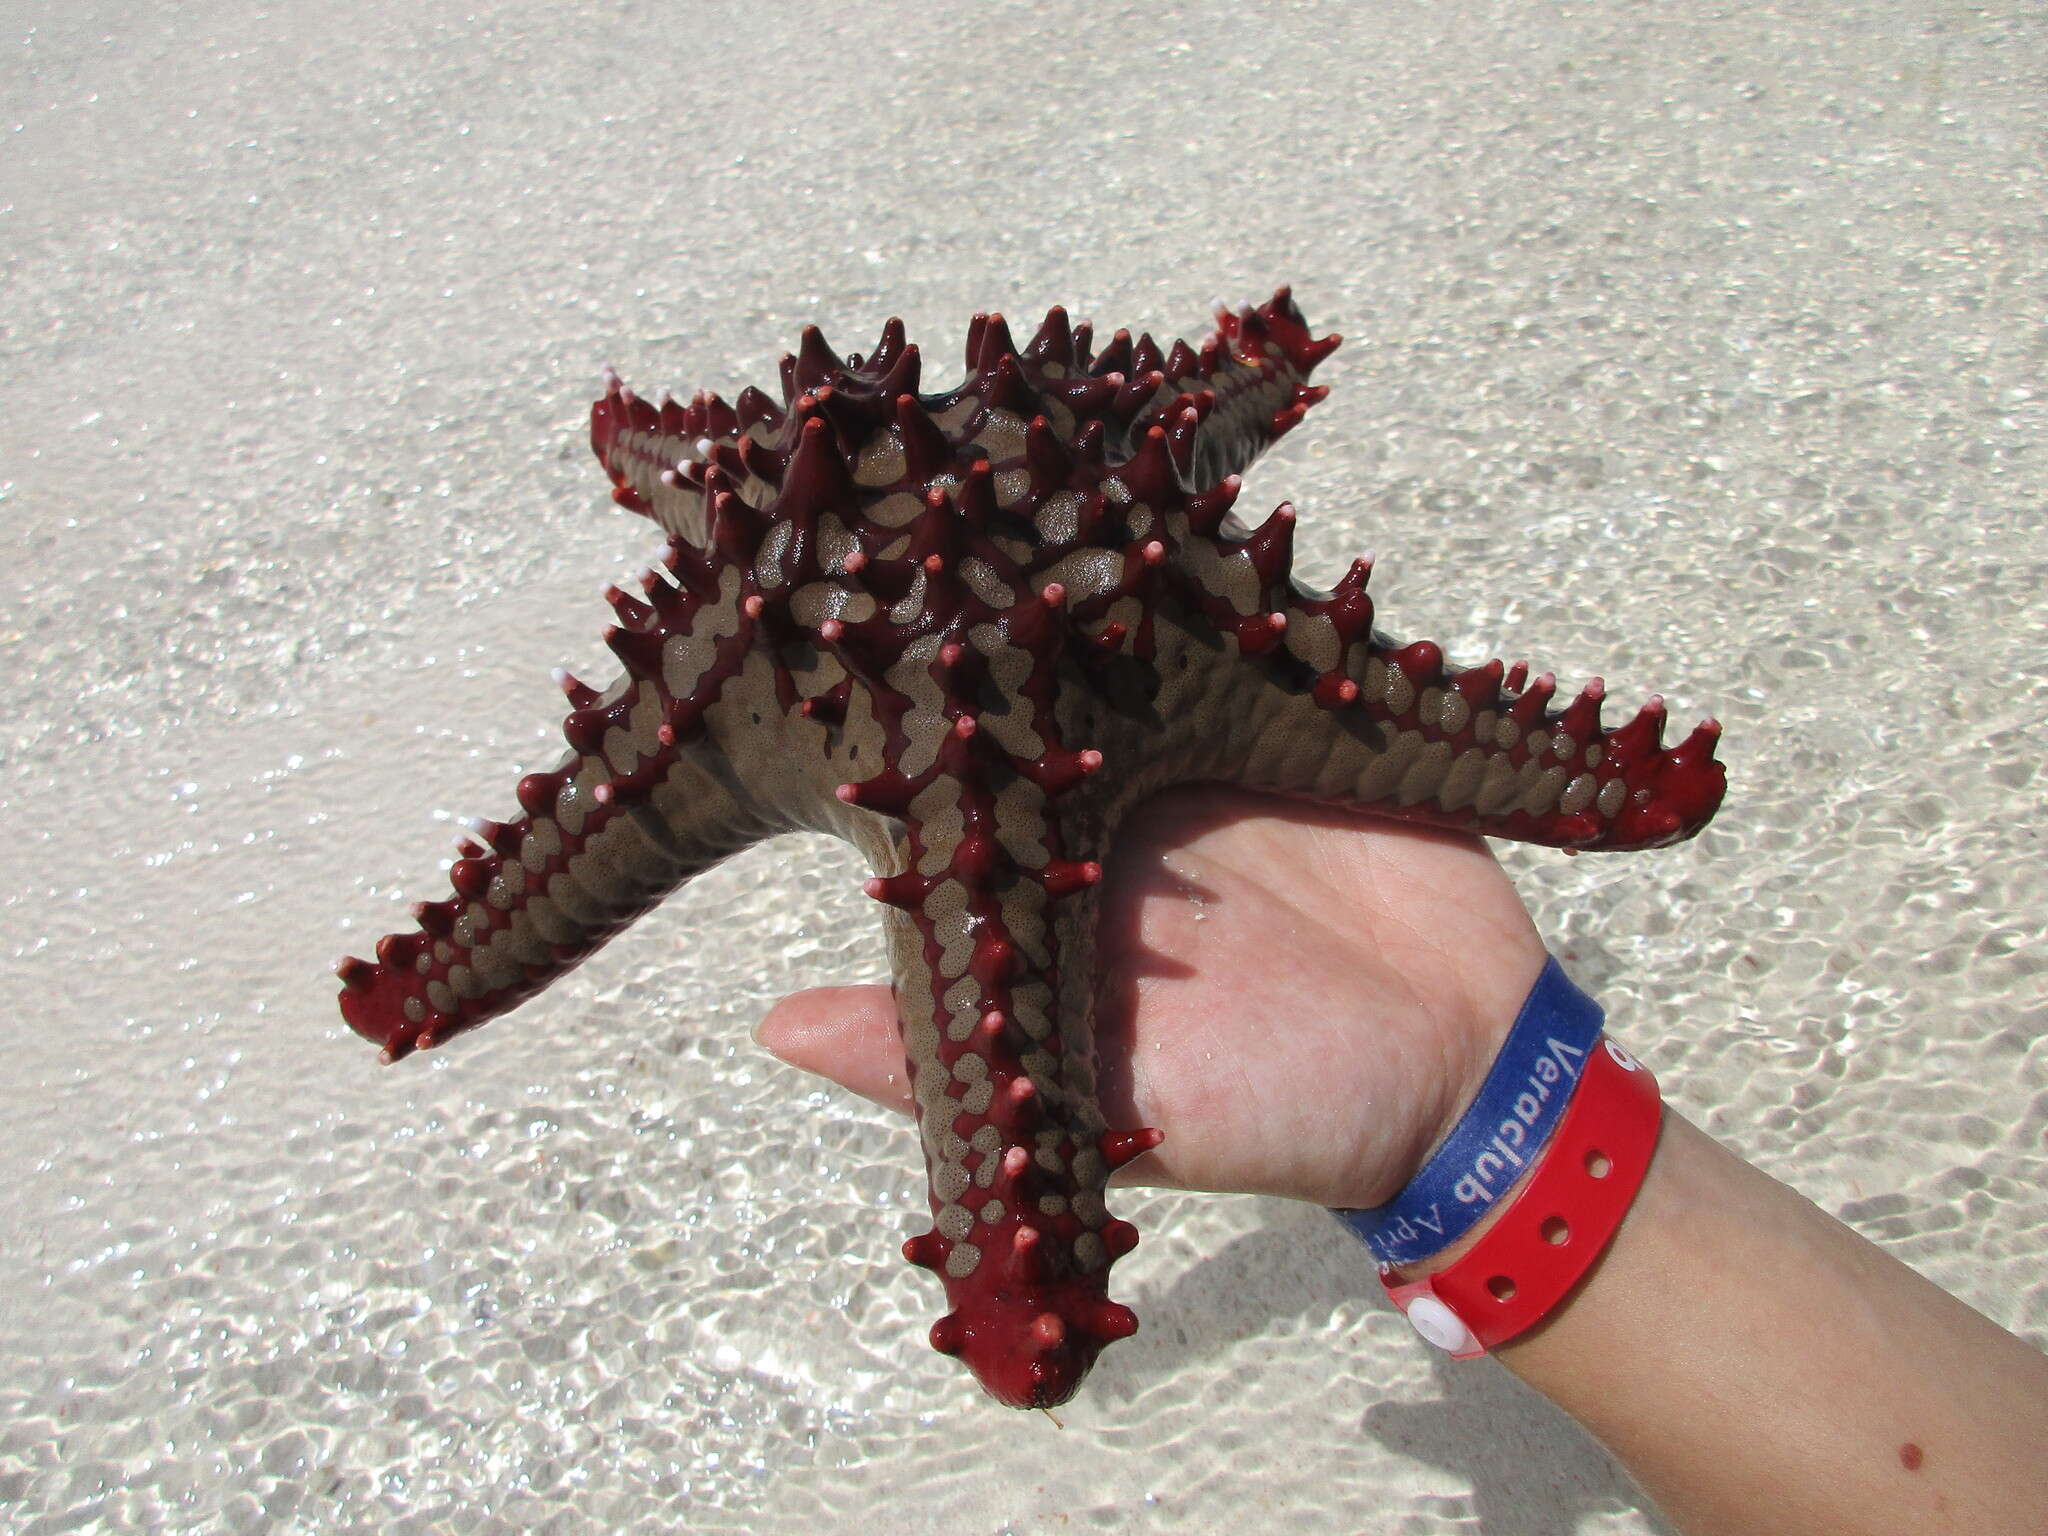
<point>1346,716</point>
<point>646,798</point>
<point>657,453</point>
<point>1263,682</point>
<point>536,895</point>
<point>1253,368</point>
<point>992,970</point>
<point>974,816</point>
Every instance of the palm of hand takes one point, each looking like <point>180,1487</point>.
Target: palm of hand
<point>1302,1001</point>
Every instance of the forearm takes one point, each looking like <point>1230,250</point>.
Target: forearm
<point>1759,1367</point>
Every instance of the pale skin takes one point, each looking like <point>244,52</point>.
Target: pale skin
<point>1756,1365</point>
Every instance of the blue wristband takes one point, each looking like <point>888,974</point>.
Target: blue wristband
<point>1519,1105</point>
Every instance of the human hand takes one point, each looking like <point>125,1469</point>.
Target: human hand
<point>1302,1001</point>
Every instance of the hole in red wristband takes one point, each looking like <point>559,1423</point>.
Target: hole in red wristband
<point>1598,1163</point>
<point>1556,1231</point>
<point>1502,1287</point>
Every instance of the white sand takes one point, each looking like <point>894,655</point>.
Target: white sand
<point>1703,354</point>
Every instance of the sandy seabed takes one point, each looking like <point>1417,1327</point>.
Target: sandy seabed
<point>1702,353</point>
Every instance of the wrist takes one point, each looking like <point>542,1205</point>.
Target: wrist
<point>1512,1212</point>
<point>1499,1135</point>
<point>1548,1239</point>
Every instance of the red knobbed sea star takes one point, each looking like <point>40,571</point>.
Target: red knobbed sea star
<point>967,632</point>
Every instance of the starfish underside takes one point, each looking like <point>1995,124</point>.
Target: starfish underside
<point>968,632</point>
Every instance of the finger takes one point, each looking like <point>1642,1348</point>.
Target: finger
<point>848,1034</point>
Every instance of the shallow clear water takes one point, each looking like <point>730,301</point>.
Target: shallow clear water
<point>1704,354</point>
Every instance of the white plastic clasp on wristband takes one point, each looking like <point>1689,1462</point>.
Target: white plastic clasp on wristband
<point>1431,1316</point>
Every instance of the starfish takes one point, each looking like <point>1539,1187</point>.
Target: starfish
<point>967,632</point>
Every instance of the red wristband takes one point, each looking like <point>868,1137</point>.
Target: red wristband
<point>1556,1226</point>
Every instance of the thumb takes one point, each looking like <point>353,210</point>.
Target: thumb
<point>848,1034</point>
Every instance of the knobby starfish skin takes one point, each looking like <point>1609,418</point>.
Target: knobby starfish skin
<point>967,632</point>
